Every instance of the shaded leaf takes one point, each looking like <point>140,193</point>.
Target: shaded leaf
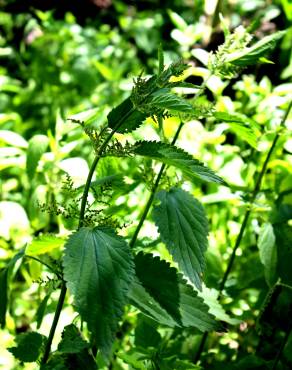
<point>98,269</point>
<point>146,334</point>
<point>125,118</point>
<point>251,55</point>
<point>173,156</point>
<point>42,309</point>
<point>37,146</point>
<point>29,346</point>
<point>164,99</point>
<point>268,252</point>
<point>193,311</point>
<point>183,227</point>
<point>72,342</point>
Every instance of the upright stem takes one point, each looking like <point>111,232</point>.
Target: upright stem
<point>81,221</point>
<point>153,192</point>
<point>244,222</point>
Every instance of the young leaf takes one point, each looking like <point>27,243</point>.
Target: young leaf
<point>44,244</point>
<point>72,342</point>
<point>251,55</point>
<point>173,156</point>
<point>29,346</point>
<point>98,269</point>
<point>125,118</point>
<point>193,311</point>
<point>164,99</point>
<point>183,227</point>
<point>37,146</point>
<point>268,252</point>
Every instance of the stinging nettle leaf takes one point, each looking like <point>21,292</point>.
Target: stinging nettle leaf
<point>37,146</point>
<point>44,244</point>
<point>125,117</point>
<point>173,156</point>
<point>166,100</point>
<point>98,269</point>
<point>193,312</point>
<point>183,227</point>
<point>29,346</point>
<point>251,55</point>
<point>72,342</point>
<point>268,252</point>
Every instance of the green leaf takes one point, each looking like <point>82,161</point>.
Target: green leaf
<point>252,54</point>
<point>29,346</point>
<point>173,156</point>
<point>37,146</point>
<point>98,269</point>
<point>183,227</point>
<point>268,252</point>
<point>44,244</point>
<point>125,118</point>
<point>210,297</point>
<point>42,309</point>
<point>166,100</point>
<point>72,342</point>
<point>3,296</point>
<point>86,117</point>
<point>193,311</point>
<point>146,334</point>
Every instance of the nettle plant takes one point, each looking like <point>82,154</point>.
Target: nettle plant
<point>105,272</point>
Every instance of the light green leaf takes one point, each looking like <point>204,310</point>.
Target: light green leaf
<point>98,269</point>
<point>166,100</point>
<point>173,156</point>
<point>86,117</point>
<point>177,20</point>
<point>251,55</point>
<point>210,297</point>
<point>183,227</point>
<point>144,295</point>
<point>268,252</point>
<point>37,146</point>
<point>125,118</point>
<point>29,346</point>
<point>12,138</point>
<point>44,244</point>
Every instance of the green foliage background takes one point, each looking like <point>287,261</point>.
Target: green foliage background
<point>57,62</point>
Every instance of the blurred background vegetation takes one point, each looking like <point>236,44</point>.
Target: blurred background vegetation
<point>58,58</point>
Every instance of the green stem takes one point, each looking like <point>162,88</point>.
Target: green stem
<point>45,264</point>
<point>153,192</point>
<point>245,221</point>
<point>81,222</point>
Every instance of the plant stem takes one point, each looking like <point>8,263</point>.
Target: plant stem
<point>43,263</point>
<point>279,353</point>
<point>81,221</point>
<point>153,192</point>
<point>244,222</point>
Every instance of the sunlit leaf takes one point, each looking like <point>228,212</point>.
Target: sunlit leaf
<point>37,146</point>
<point>44,244</point>
<point>268,252</point>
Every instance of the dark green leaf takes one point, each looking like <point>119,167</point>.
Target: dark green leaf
<point>173,156</point>
<point>193,311</point>
<point>72,342</point>
<point>37,146</point>
<point>252,54</point>
<point>42,309</point>
<point>146,334</point>
<point>125,118</point>
<point>183,227</point>
<point>29,346</point>
<point>98,268</point>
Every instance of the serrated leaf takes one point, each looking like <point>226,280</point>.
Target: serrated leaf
<point>210,297</point>
<point>251,55</point>
<point>193,311</point>
<point>146,334</point>
<point>173,156</point>
<point>166,100</point>
<point>37,146</point>
<point>86,117</point>
<point>98,269</point>
<point>44,244</point>
<point>268,252</point>
<point>125,118</point>
<point>29,346</point>
<point>183,227</point>
<point>72,342</point>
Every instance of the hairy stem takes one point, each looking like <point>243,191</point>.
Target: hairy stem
<point>153,192</point>
<point>245,222</point>
<point>81,222</point>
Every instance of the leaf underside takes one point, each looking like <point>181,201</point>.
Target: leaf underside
<point>183,227</point>
<point>173,156</point>
<point>190,310</point>
<point>98,269</point>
